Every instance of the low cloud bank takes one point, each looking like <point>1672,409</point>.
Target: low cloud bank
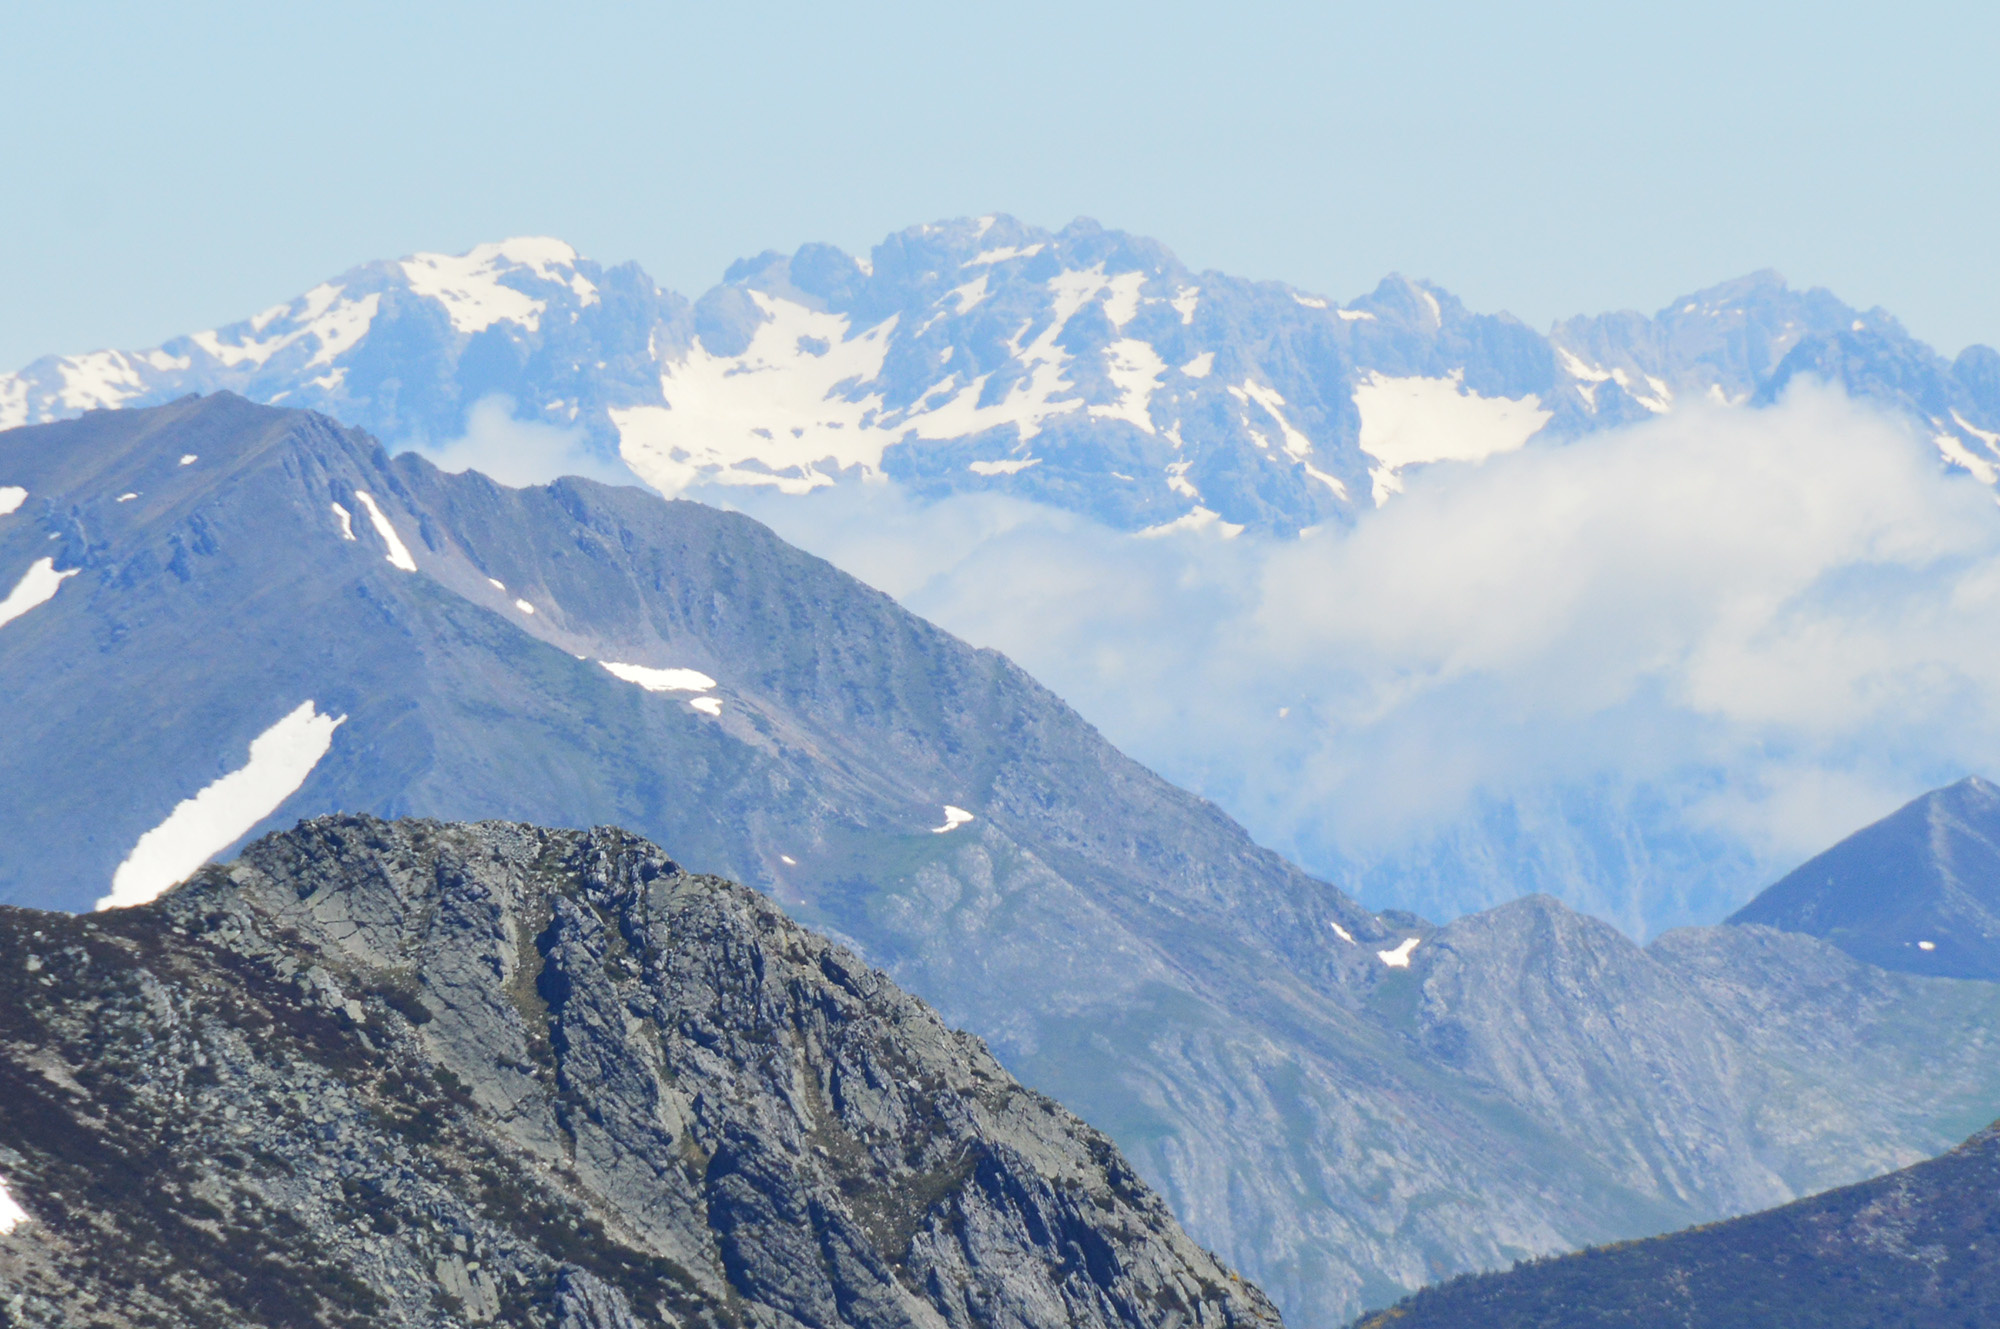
<point>1646,670</point>
<point>519,453</point>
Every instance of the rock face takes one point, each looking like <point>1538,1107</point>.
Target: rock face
<point>419,1073</point>
<point>1905,1251</point>
<point>1917,891</point>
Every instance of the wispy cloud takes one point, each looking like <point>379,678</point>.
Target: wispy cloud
<point>1647,669</point>
<point>518,453</point>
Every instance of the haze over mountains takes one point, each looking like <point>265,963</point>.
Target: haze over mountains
<point>248,615</point>
<point>1438,702</point>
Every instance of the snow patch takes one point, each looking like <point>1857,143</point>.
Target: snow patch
<point>1355,315</point>
<point>1200,365</point>
<point>969,294</point>
<point>346,521</point>
<point>38,585</point>
<point>1309,301</point>
<point>1198,520</point>
<point>989,256</point>
<point>706,705</point>
<point>524,607</point>
<point>660,680</point>
<point>1121,301</point>
<point>1178,482</point>
<point>1297,446</point>
<point>99,381</point>
<point>1411,421</point>
<point>1185,301</point>
<point>769,416</point>
<point>953,819</point>
<point>1954,450</point>
<point>189,459</point>
<point>1926,945</point>
<point>1135,370</point>
<point>125,497</point>
<point>469,286</point>
<point>1013,466</point>
<point>12,1215</point>
<point>496,583</point>
<point>198,828</point>
<point>11,498</point>
<point>1341,932</point>
<point>399,553</point>
<point>320,314</point>
<point>1400,957</point>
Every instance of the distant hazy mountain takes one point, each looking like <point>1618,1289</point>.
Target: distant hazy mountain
<point>418,1074</point>
<point>224,617</point>
<point>1085,368</point>
<point>1917,891</point>
<point>1906,1251</point>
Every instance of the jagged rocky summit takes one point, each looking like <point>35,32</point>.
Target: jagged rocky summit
<point>421,1073</point>
<point>1911,1250</point>
<point>1084,368</point>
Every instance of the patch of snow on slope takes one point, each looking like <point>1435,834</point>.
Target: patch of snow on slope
<point>706,705</point>
<point>11,498</point>
<point>12,1215</point>
<point>399,553</point>
<point>1185,301</point>
<point>969,294</point>
<point>1012,466</point>
<point>13,401</point>
<point>469,286</point>
<point>767,416</point>
<point>1135,370</point>
<point>524,606</point>
<point>1297,445</point>
<point>189,459</point>
<point>1178,482</point>
<point>346,521</point>
<point>1410,421</point>
<point>320,314</point>
<point>98,381</point>
<point>660,680</point>
<point>1355,315</point>
<point>1121,302</point>
<point>1001,255</point>
<point>953,819</point>
<point>200,827</point>
<point>38,585</point>
<point>1198,520</point>
<point>1342,932</point>
<point>1309,301</point>
<point>126,497</point>
<point>1954,450</point>
<point>1400,957</point>
<point>1200,365</point>
<point>1992,441</point>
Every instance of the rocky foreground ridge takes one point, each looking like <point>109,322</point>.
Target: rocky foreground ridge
<point>419,1073</point>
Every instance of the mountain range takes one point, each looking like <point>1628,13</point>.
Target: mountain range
<point>228,616</point>
<point>1087,373</point>
<point>1086,369</point>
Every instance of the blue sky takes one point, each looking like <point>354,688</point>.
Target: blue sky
<point>173,167</point>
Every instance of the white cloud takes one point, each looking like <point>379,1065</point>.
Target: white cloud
<point>518,453</point>
<point>1664,662</point>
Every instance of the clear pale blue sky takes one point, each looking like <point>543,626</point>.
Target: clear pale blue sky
<point>171,167</point>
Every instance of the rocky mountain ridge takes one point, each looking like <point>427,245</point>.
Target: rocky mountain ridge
<point>1910,1249</point>
<point>426,1074</point>
<point>1084,368</point>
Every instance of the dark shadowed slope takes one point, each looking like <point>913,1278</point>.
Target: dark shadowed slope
<point>429,1074</point>
<point>1917,891</point>
<point>1917,1249</point>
